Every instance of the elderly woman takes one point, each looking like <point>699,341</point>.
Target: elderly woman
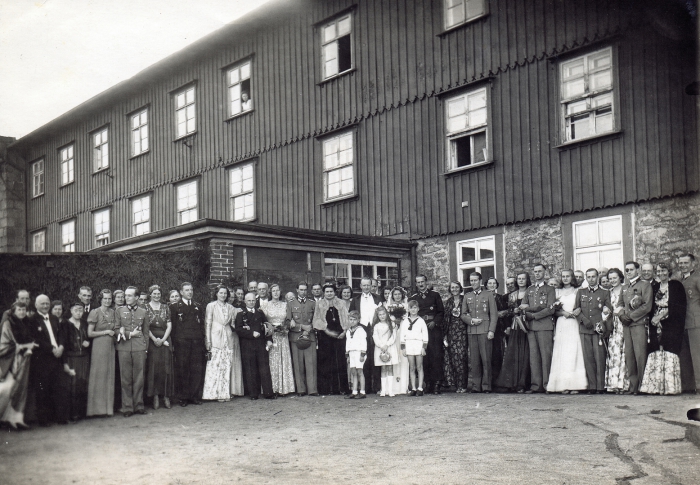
<point>281,368</point>
<point>331,321</point>
<point>456,367</point>
<point>101,322</point>
<point>662,374</point>
<point>159,368</point>
<point>77,360</point>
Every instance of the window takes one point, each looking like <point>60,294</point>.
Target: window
<point>587,95</point>
<point>598,243</point>
<point>338,171</point>
<point>39,241</point>
<point>239,93</point>
<point>467,126</point>
<point>68,237</point>
<point>476,255</point>
<point>139,133</point>
<point>350,272</point>
<point>242,192</point>
<point>461,11</point>
<point>187,202</point>
<point>336,46</point>
<point>67,165</point>
<point>100,149</point>
<point>38,178</point>
<point>141,215</point>
<point>184,112</point>
<point>101,219</point>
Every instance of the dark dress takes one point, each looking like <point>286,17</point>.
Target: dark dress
<point>499,338</point>
<point>456,363</point>
<point>102,365</point>
<point>78,358</point>
<point>515,372</point>
<point>332,367</point>
<point>14,370</point>
<point>159,367</point>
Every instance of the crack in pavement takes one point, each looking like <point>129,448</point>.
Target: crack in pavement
<point>692,431</point>
<point>613,447</point>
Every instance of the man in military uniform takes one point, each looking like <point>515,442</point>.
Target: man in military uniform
<point>300,313</point>
<point>691,283</point>
<point>538,305</point>
<point>189,348</point>
<point>590,304</point>
<point>431,309</point>
<point>480,314</point>
<point>132,342</point>
<point>255,345</point>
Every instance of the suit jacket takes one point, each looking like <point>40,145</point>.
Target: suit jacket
<point>302,314</point>
<point>131,320</point>
<point>247,323</point>
<point>42,356</point>
<point>692,295</point>
<point>540,300</point>
<point>430,307</point>
<point>481,306</point>
<point>641,315</point>
<point>356,304</point>
<point>591,305</point>
<point>188,321</point>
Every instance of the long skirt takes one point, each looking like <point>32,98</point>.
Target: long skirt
<point>332,368</point>
<point>236,387</point>
<point>160,380</point>
<point>13,391</point>
<point>101,381</point>
<point>456,367</point>
<point>281,368</point>
<point>78,385</point>
<point>515,372</point>
<point>568,372</point>
<point>217,380</point>
<point>616,378</point>
<point>400,378</point>
<point>662,374</point>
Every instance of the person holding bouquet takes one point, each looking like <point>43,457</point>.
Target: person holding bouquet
<point>396,306</point>
<point>515,373</point>
<point>456,367</point>
<point>280,356</point>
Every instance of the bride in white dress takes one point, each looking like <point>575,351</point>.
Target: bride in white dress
<point>568,373</point>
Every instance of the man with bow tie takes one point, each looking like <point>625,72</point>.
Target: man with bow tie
<point>132,342</point>
<point>691,282</point>
<point>188,346</point>
<point>300,314</point>
<point>480,313</point>
<point>366,303</point>
<point>255,346</point>
<point>591,304</point>
<point>432,310</point>
<point>49,380</point>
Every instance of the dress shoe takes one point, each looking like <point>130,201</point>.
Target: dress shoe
<point>361,396</point>
<point>419,392</point>
<point>529,391</point>
<point>254,398</point>
<point>487,392</point>
<point>351,396</point>
<point>300,394</point>
<point>315,394</point>
<point>140,411</point>
<point>183,403</point>
<point>413,393</point>
<point>196,401</point>
<point>271,396</point>
<point>128,414</point>
<point>156,402</point>
<point>166,402</point>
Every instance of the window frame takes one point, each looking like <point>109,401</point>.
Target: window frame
<point>134,224</point>
<point>101,236</point>
<point>358,262</point>
<point>321,27</point>
<point>72,243</point>
<point>469,131</point>
<point>244,193</point>
<point>467,20</point>
<point>69,149</point>
<point>576,250</point>
<point>189,208</point>
<point>227,74</point>
<point>327,138</point>
<point>479,263</point>
<point>134,114</point>
<point>41,176</point>
<point>183,91</point>
<point>42,233</point>
<point>98,149</point>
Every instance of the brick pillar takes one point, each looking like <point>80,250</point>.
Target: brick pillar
<point>12,201</point>
<point>221,262</point>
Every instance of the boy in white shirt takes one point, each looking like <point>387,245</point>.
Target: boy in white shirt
<point>356,352</point>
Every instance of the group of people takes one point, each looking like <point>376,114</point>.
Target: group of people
<point>596,331</point>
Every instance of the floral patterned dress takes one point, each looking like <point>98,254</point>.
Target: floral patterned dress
<point>280,356</point>
<point>217,380</point>
<point>616,377</point>
<point>456,367</point>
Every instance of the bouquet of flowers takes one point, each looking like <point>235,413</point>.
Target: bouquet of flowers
<point>556,305</point>
<point>397,313</point>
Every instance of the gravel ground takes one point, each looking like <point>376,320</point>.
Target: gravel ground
<point>452,438</point>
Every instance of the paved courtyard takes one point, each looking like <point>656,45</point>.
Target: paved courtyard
<point>453,438</point>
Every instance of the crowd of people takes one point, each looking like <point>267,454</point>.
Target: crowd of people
<point>598,331</point>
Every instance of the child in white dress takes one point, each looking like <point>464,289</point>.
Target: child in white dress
<point>384,336</point>
<point>356,352</point>
<point>414,342</point>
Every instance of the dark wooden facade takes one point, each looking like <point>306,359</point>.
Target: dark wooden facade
<point>403,61</point>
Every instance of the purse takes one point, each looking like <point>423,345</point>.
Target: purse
<point>384,356</point>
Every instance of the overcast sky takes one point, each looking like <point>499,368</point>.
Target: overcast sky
<point>55,54</point>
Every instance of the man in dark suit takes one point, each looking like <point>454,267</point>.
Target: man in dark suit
<point>300,314</point>
<point>691,282</point>
<point>366,303</point>
<point>132,343</point>
<point>590,304</point>
<point>47,376</point>
<point>85,297</point>
<point>255,345</point>
<point>188,345</point>
<point>480,313</point>
<point>431,309</point>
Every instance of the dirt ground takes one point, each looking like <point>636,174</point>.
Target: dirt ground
<point>452,438</point>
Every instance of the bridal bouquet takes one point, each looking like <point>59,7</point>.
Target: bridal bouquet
<point>397,313</point>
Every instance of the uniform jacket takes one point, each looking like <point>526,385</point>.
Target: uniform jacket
<point>591,304</point>
<point>692,294</point>
<point>430,307</point>
<point>130,320</point>
<point>248,322</point>
<point>540,301</point>
<point>302,314</point>
<point>481,306</point>
<point>188,321</point>
<point>641,315</point>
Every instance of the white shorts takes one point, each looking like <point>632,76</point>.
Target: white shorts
<point>355,359</point>
<point>414,347</point>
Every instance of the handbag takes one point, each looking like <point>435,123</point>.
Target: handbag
<point>303,342</point>
<point>384,356</point>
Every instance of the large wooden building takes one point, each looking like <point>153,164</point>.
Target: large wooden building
<point>342,138</point>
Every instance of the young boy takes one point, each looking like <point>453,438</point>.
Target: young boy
<point>356,352</point>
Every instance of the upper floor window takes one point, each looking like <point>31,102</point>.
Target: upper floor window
<point>187,202</point>
<point>67,165</point>
<point>139,132</point>
<point>598,243</point>
<point>39,241</point>
<point>68,237</point>
<point>476,255</point>
<point>239,93</point>
<point>141,215</point>
<point>185,112</point>
<point>336,46</point>
<point>587,101</point>
<point>338,166</point>
<point>461,11</point>
<point>101,219</point>
<point>242,192</point>
<point>37,178</point>
<point>467,129</point>
<point>100,149</point>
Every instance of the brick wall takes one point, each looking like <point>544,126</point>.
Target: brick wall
<point>12,207</point>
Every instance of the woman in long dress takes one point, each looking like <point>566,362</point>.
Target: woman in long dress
<point>515,372</point>
<point>101,322</point>
<point>384,337</point>
<point>160,380</point>
<point>456,368</point>
<point>568,372</point>
<point>16,347</point>
<point>220,317</point>
<point>662,374</point>
<point>397,307</point>
<point>616,378</point>
<point>499,338</point>
<point>280,356</point>
<point>330,322</point>
<point>76,357</point>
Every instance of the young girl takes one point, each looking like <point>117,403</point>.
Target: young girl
<point>356,352</point>
<point>414,341</point>
<point>384,336</point>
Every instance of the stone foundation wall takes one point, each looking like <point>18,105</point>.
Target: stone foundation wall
<point>12,206</point>
<point>531,243</point>
<point>434,262</point>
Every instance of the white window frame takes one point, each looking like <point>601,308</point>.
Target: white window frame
<point>100,149</point>
<point>141,215</point>
<point>467,10</point>
<point>38,178</point>
<point>187,202</point>
<point>101,227</point>
<point>67,158</point>
<point>594,104</point>
<point>242,192</point>
<point>476,122</point>
<point>479,263</point>
<point>350,281</point>
<point>185,111</point>
<point>68,236</point>
<point>598,247</point>
<point>331,32</point>
<point>39,241</point>
<point>139,133</point>
<point>235,77</point>
<point>338,165</point>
